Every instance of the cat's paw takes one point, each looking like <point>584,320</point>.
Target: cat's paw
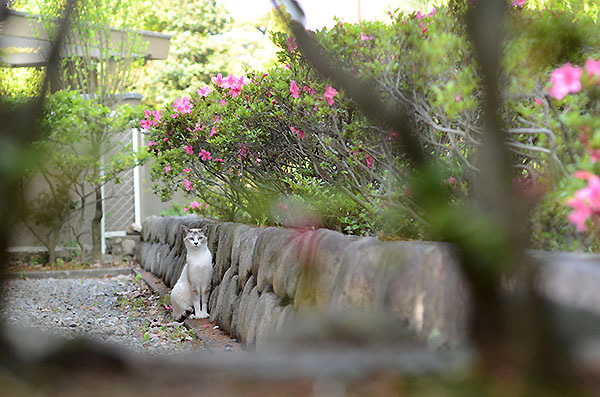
<point>202,315</point>
<point>192,317</point>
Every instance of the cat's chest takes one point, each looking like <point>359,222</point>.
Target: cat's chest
<point>199,257</point>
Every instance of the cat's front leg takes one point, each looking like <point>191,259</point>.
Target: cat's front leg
<point>205,296</point>
<point>196,302</point>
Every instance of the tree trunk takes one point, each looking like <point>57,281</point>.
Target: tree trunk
<point>96,227</point>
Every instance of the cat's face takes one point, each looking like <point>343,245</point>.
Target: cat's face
<point>194,237</point>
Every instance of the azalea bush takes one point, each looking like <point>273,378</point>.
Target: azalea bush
<point>277,146</point>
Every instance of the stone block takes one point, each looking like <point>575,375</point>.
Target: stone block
<point>266,326</point>
<point>285,318</point>
<point>174,271</point>
<point>244,298</point>
<point>246,254</point>
<point>262,318</point>
<point>129,246</point>
<point>426,287</point>
<point>218,311</point>
<point>231,302</point>
<point>161,229</point>
<point>167,262</point>
<point>134,229</point>
<point>270,257</point>
<point>239,237</point>
<point>212,300</point>
<point>358,280</point>
<point>222,258</point>
<point>262,241</point>
<point>283,274</point>
<point>245,320</point>
<point>320,256</point>
<point>147,226</point>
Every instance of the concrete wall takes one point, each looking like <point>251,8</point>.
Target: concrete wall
<point>264,278</point>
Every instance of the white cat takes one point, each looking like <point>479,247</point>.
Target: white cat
<point>193,287</point>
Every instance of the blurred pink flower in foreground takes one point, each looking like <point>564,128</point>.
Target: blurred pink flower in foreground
<point>565,80</point>
<point>586,201</point>
<point>519,3</point>
<point>592,67</point>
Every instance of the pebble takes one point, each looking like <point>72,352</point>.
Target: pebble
<point>117,310</point>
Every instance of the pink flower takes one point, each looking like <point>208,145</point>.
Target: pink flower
<point>194,205</point>
<point>434,11</point>
<point>565,80</point>
<point>592,68</point>
<point>243,150</point>
<point>152,143</point>
<point>286,67</point>
<point>519,3</point>
<point>222,103</point>
<point>369,160</point>
<point>300,133</point>
<point>168,168</point>
<point>294,89</point>
<point>213,131</point>
<point>188,185</point>
<point>218,79</point>
<point>364,37</point>
<point>419,15</point>
<point>187,170</point>
<point>145,124</point>
<point>204,155</point>
<point>204,91</point>
<point>457,99</point>
<point>308,89</point>
<point>329,94</point>
<point>291,44</point>
<point>586,201</point>
<point>538,101</point>
<point>147,113</point>
<point>185,209</point>
<point>188,149</point>
<point>219,160</point>
<point>183,105</point>
<point>452,181</point>
<point>157,114</point>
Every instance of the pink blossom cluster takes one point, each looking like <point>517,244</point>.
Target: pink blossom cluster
<point>234,84</point>
<point>567,78</point>
<point>182,105</point>
<point>299,132</point>
<point>329,93</point>
<point>420,16</point>
<point>194,205</point>
<point>586,201</point>
<point>519,3</point>
<point>151,118</point>
<point>203,91</point>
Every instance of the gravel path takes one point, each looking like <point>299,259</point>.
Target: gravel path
<point>117,309</point>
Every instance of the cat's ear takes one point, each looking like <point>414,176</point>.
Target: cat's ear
<point>185,230</point>
<point>204,229</point>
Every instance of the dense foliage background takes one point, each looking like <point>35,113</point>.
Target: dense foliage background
<point>273,148</point>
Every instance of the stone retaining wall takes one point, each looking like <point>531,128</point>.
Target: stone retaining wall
<point>265,277</point>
